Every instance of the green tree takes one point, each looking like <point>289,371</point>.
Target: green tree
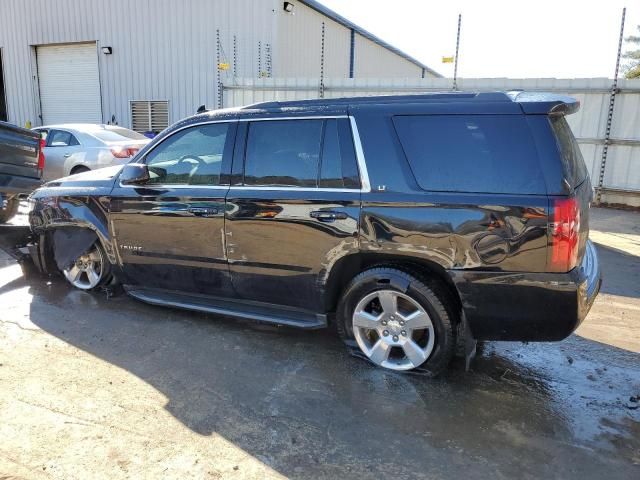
<point>632,67</point>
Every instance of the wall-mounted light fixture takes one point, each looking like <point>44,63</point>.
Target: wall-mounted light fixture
<point>107,50</point>
<point>288,7</point>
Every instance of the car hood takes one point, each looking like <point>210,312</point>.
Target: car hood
<point>94,182</point>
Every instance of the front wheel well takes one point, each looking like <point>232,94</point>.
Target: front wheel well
<point>53,252</point>
<point>348,267</point>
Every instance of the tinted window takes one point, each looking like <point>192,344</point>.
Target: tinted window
<point>573,163</point>
<point>471,153</point>
<point>191,156</point>
<point>117,134</point>
<point>338,164</point>
<point>283,153</point>
<point>59,138</point>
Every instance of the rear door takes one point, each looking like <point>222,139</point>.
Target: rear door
<point>62,149</point>
<point>293,208</point>
<point>169,233</point>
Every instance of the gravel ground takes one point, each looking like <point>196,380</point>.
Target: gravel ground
<point>97,388</point>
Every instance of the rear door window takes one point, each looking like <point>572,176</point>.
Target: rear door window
<point>283,153</point>
<point>574,167</point>
<point>471,153</point>
<point>339,168</point>
<point>301,153</point>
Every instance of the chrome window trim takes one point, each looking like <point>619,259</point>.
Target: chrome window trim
<point>294,189</point>
<point>176,185</point>
<point>365,185</point>
<point>307,117</point>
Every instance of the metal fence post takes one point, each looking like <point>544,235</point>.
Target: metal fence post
<point>455,67</point>
<point>322,64</point>
<point>218,75</point>
<point>612,101</point>
<point>235,56</point>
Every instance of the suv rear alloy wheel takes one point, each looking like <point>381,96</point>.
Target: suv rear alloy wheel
<point>397,321</point>
<point>90,270</point>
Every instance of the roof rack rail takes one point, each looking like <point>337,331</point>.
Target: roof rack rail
<point>411,98</point>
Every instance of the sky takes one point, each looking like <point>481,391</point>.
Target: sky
<point>537,38</point>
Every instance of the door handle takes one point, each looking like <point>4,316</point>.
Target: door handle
<point>327,215</point>
<point>67,155</point>
<point>204,211</point>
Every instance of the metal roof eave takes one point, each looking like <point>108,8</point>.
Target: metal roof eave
<point>349,24</point>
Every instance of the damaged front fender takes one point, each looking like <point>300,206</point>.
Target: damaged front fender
<point>70,225</point>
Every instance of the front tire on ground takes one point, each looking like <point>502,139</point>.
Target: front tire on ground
<point>91,270</point>
<point>10,209</point>
<point>398,320</point>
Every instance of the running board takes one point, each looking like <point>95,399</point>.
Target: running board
<point>262,312</point>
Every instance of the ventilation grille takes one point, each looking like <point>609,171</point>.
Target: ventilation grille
<point>149,116</point>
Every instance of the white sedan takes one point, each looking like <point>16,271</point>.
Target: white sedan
<point>76,148</point>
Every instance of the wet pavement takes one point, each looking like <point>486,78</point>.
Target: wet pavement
<point>112,388</point>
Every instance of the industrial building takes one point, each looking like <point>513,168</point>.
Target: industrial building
<point>145,64</point>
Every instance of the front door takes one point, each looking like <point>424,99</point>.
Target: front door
<point>169,233</point>
<point>295,210</point>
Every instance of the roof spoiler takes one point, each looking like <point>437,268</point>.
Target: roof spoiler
<point>545,103</point>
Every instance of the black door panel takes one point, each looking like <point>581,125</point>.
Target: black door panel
<point>284,233</point>
<point>280,250</point>
<point>165,241</point>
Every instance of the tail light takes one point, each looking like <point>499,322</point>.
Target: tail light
<point>124,152</point>
<point>565,234</point>
<point>41,155</point>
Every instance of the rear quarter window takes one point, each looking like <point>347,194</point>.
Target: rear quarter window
<point>575,170</point>
<point>471,153</point>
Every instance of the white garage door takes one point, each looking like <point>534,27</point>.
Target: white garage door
<point>69,84</point>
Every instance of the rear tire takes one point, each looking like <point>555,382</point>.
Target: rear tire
<point>398,320</point>
<point>10,210</point>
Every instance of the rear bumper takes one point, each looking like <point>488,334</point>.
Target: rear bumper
<point>529,306</point>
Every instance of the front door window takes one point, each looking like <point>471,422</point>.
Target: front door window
<point>192,156</point>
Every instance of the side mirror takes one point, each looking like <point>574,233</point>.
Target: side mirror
<point>134,174</point>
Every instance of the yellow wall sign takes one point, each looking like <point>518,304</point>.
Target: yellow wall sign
<point>447,59</point>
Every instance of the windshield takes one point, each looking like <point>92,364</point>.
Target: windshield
<point>117,134</point>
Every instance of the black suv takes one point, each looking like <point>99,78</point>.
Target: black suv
<point>407,220</point>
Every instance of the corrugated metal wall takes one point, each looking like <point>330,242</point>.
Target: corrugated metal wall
<point>371,61</point>
<point>162,50</point>
<point>299,44</point>
<point>166,50</point>
<point>623,161</point>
